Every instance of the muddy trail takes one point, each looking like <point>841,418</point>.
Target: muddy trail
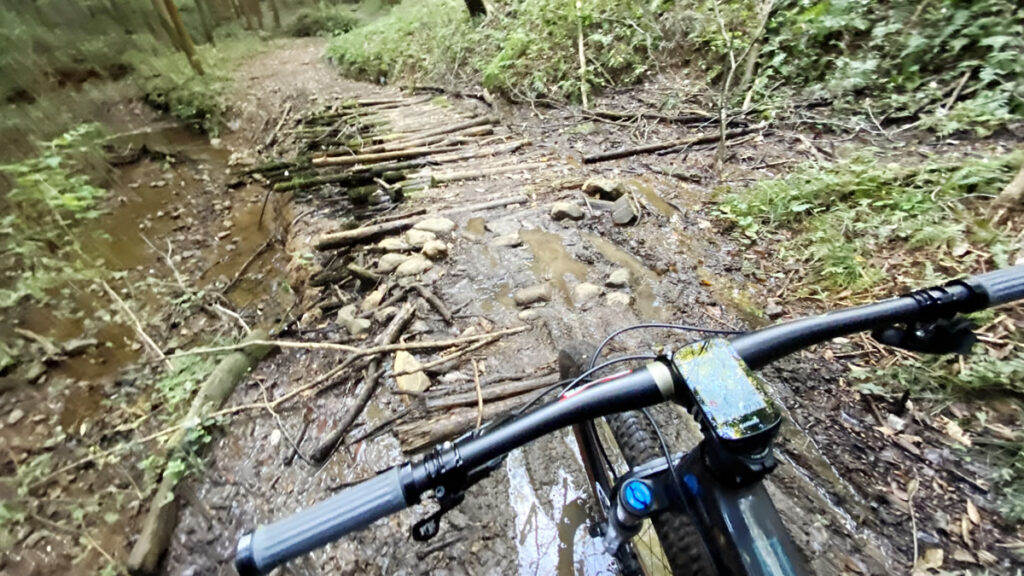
<point>497,241</point>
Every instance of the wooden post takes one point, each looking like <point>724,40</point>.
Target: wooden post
<point>186,41</point>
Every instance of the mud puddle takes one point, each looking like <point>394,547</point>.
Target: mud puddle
<point>642,278</point>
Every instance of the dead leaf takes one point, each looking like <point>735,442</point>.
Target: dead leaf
<point>886,431</point>
<point>1002,432</point>
<point>954,431</point>
<point>932,559</point>
<point>965,531</point>
<point>415,380</point>
<point>987,558</point>
<point>961,555</point>
<point>973,514</point>
<point>899,492</point>
<point>912,488</point>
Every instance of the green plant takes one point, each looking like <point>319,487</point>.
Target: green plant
<point>526,48</point>
<point>323,19</point>
<point>848,221</point>
<point>50,197</point>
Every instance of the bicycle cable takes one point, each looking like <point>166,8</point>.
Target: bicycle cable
<point>664,449</point>
<point>655,325</point>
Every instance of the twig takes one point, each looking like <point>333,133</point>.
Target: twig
<point>911,491</point>
<point>648,148</point>
<point>449,358</point>
<point>479,391</point>
<point>434,301</point>
<point>280,424</point>
<point>247,263</point>
<point>167,260</point>
<point>139,331</point>
<point>355,350</point>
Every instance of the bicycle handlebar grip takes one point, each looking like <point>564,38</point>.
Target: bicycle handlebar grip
<point>355,508</point>
<point>1001,286</point>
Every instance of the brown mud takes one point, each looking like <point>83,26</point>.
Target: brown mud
<point>833,485</point>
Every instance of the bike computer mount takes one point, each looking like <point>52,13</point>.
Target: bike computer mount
<point>729,400</point>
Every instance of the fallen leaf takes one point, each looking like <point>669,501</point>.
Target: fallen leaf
<point>932,559</point>
<point>973,514</point>
<point>1002,432</point>
<point>965,531</point>
<point>987,558</point>
<point>886,431</point>
<point>961,555</point>
<point>912,487</point>
<point>954,431</point>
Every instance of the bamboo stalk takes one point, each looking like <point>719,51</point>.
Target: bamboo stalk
<point>647,149</point>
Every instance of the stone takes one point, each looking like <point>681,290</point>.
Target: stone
<point>419,238</point>
<point>508,241</point>
<point>346,314</point>
<point>15,416</point>
<point>391,260</point>
<point>617,300</point>
<point>373,299</point>
<point>435,249</point>
<point>585,293</point>
<point>383,315</point>
<point>619,278</point>
<point>533,295</point>
<point>773,310</point>
<point>529,315</point>
<point>625,211</point>
<point>393,245</point>
<point>566,211</point>
<point>416,380</point>
<point>603,188</point>
<point>359,327</point>
<point>435,225</point>
<point>416,264</point>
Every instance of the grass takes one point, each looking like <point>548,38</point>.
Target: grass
<point>525,48</point>
<point>861,229</point>
<point>324,20</point>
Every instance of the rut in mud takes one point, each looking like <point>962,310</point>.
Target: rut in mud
<point>544,256</point>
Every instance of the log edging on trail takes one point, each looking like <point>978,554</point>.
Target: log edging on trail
<point>648,148</point>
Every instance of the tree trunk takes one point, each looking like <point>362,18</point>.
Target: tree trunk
<point>206,21</point>
<point>1013,195</point>
<point>277,14</point>
<point>186,41</point>
<point>476,8</point>
<point>166,24</point>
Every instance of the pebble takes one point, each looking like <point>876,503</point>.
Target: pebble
<point>508,241</point>
<point>773,310</point>
<point>359,326</point>
<point>435,249</point>
<point>384,314</point>
<point>619,278</point>
<point>617,299</point>
<point>566,211</point>
<point>603,188</point>
<point>533,294</point>
<point>16,415</point>
<point>585,293</point>
<point>275,437</point>
<point>624,212</point>
<point>390,261</point>
<point>393,245</point>
<point>435,225</point>
<point>416,264</point>
<point>529,315</point>
<point>419,238</point>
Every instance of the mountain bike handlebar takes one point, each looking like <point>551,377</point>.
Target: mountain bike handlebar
<point>397,488</point>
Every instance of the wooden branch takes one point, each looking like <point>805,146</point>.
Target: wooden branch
<point>434,301</point>
<point>480,172</point>
<point>139,331</point>
<point>355,350</point>
<point>649,148</point>
<point>389,336</point>
<point>380,157</point>
<point>366,233</point>
<point>478,127</point>
<point>491,393</point>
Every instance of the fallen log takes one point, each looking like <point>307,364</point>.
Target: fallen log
<point>686,117</point>
<point>366,233</point>
<point>389,336</point>
<point>158,527</point>
<point>381,156</point>
<point>649,148</point>
<point>418,433</point>
<point>420,140</point>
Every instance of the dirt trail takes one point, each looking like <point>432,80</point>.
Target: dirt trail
<point>681,272</point>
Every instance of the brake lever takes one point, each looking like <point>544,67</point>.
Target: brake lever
<point>944,336</point>
<point>450,496</point>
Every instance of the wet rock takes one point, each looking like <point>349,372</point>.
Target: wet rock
<point>158,184</point>
<point>625,211</point>
<point>419,238</point>
<point>585,293</point>
<point>435,249</point>
<point>413,379</point>
<point>566,211</point>
<point>390,261</point>
<point>617,299</point>
<point>604,188</point>
<point>529,315</point>
<point>435,225</point>
<point>373,299</point>
<point>393,245</point>
<point>15,416</point>
<point>416,264</point>
<point>773,310</point>
<point>383,315</point>
<point>359,327</point>
<point>508,241</point>
<point>619,278</point>
<point>533,295</point>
